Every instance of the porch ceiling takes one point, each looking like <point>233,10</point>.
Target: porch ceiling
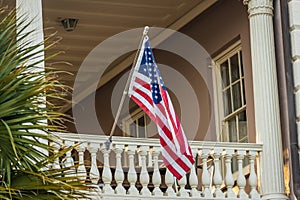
<point>100,19</point>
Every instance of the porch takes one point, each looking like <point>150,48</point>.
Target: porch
<point>133,169</point>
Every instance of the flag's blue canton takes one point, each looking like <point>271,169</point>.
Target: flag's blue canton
<point>149,68</point>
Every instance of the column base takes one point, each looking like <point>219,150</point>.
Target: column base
<point>274,196</point>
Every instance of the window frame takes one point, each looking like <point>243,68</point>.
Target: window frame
<point>220,118</point>
<point>127,121</point>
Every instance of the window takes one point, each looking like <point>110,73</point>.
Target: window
<point>229,85</point>
<point>135,124</point>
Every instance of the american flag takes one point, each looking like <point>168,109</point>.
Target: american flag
<point>148,90</point>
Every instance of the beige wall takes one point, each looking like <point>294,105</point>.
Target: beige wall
<point>217,28</point>
<point>214,29</point>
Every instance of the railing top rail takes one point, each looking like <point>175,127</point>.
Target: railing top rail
<point>100,139</point>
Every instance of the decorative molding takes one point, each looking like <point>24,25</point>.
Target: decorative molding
<point>256,7</point>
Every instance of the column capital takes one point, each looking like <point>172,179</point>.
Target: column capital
<point>258,7</point>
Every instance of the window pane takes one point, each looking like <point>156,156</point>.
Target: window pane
<point>132,128</point>
<point>242,126</point>
<point>227,101</point>
<point>141,127</point>
<point>234,64</point>
<point>236,92</point>
<point>225,74</point>
<point>232,130</point>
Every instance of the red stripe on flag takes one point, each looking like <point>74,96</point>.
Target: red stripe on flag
<point>175,157</point>
<point>142,83</point>
<point>180,137</point>
<point>172,169</point>
<point>143,94</point>
<point>164,128</point>
<point>174,144</point>
<point>165,98</point>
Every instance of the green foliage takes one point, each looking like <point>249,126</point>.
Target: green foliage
<point>24,123</point>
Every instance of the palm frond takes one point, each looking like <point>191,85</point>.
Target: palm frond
<point>26,119</point>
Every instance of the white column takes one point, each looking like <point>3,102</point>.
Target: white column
<point>156,178</point>
<point>144,176</point>
<point>241,180</point>
<point>94,172</point>
<point>205,174</point>
<point>81,170</point>
<point>68,162</point>
<point>229,181</point>
<point>266,103</point>
<point>194,178</point>
<point>253,178</point>
<point>106,173</point>
<point>56,163</point>
<point>217,174</point>
<point>132,176</point>
<point>183,192</point>
<point>119,174</point>
<point>169,180</point>
<point>31,12</point>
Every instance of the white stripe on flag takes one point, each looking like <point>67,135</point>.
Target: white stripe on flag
<point>143,89</point>
<point>142,77</point>
<point>144,101</point>
<point>171,128</point>
<point>173,162</point>
<point>182,156</point>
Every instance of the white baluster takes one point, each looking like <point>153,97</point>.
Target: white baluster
<point>81,170</point>
<point>229,177</point>
<point>253,178</point>
<point>144,176</point>
<point>241,180</point>
<point>132,176</point>
<point>68,162</point>
<point>194,179</point>
<point>169,180</point>
<point>55,164</point>
<point>182,182</point>
<point>217,173</point>
<point>259,170</point>
<point>94,172</point>
<point>119,174</point>
<point>106,173</point>
<point>156,178</point>
<point>205,174</point>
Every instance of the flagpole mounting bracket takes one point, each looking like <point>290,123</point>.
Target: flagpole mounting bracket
<point>108,143</point>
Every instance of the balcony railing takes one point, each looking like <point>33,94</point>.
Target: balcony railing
<point>132,169</point>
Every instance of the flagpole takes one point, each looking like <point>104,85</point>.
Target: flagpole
<point>109,140</point>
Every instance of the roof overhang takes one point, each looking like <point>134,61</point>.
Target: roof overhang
<point>99,20</point>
